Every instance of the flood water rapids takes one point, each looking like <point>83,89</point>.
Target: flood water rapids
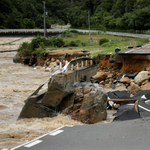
<point>17,82</point>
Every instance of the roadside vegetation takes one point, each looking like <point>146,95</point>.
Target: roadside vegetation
<point>100,43</point>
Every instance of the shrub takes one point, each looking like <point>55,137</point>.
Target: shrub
<point>73,43</point>
<point>78,41</point>
<point>40,51</point>
<point>57,42</point>
<point>25,49</point>
<point>66,31</point>
<point>101,41</point>
<point>83,43</point>
<point>74,31</point>
<point>35,43</point>
<point>110,44</point>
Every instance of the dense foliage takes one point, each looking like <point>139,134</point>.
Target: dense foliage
<point>38,45</point>
<point>104,14</point>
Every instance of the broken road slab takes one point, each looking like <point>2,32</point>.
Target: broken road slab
<point>133,134</point>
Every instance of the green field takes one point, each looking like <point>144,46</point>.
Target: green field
<point>106,48</point>
<point>100,44</point>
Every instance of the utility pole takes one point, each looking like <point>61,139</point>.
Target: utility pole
<point>44,21</point>
<point>89,27</point>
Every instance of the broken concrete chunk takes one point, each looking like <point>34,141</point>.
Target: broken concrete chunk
<point>17,58</point>
<point>91,108</point>
<point>125,80</point>
<point>100,76</point>
<point>146,86</point>
<point>133,89</point>
<point>142,76</point>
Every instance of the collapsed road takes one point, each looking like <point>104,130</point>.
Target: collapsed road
<point>126,134</point>
<point>140,106</point>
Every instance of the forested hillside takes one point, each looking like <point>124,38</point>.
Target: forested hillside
<point>109,14</point>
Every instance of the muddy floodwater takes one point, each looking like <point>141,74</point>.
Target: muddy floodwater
<point>17,82</point>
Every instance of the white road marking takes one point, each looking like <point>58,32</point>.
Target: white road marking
<point>35,139</point>
<point>70,126</point>
<point>144,108</point>
<point>131,104</point>
<point>57,132</point>
<point>143,97</point>
<point>33,143</point>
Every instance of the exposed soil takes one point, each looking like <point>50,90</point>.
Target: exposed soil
<point>70,51</point>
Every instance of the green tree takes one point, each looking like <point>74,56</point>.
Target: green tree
<point>28,23</point>
<point>14,20</point>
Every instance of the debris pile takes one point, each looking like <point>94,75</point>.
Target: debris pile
<point>106,78</point>
<point>129,106</point>
<point>70,92</point>
<point>130,82</point>
<point>87,104</point>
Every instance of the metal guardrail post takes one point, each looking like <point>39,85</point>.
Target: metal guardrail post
<point>91,60</point>
<point>60,65</point>
<point>71,66</point>
<point>86,61</point>
<point>66,68</point>
<point>77,66</point>
<point>82,63</point>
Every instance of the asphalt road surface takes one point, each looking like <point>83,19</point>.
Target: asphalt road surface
<point>59,30</point>
<point>125,135</point>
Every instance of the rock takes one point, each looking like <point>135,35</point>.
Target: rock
<point>120,84</point>
<point>107,86</point>
<point>146,86</point>
<point>100,76</point>
<point>110,75</point>
<point>106,81</point>
<point>52,59</point>
<point>142,76</point>
<point>125,80</point>
<point>47,63</point>
<point>47,69</point>
<point>144,82</point>
<point>55,69</point>
<point>38,67</point>
<point>133,88</point>
<point>87,104</point>
<point>148,69</point>
<point>116,106</point>
<point>121,88</point>
<point>57,61</point>
<point>110,82</point>
<point>86,89</point>
<point>102,82</point>
<point>118,75</point>
<point>52,65</point>
<point>17,58</point>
